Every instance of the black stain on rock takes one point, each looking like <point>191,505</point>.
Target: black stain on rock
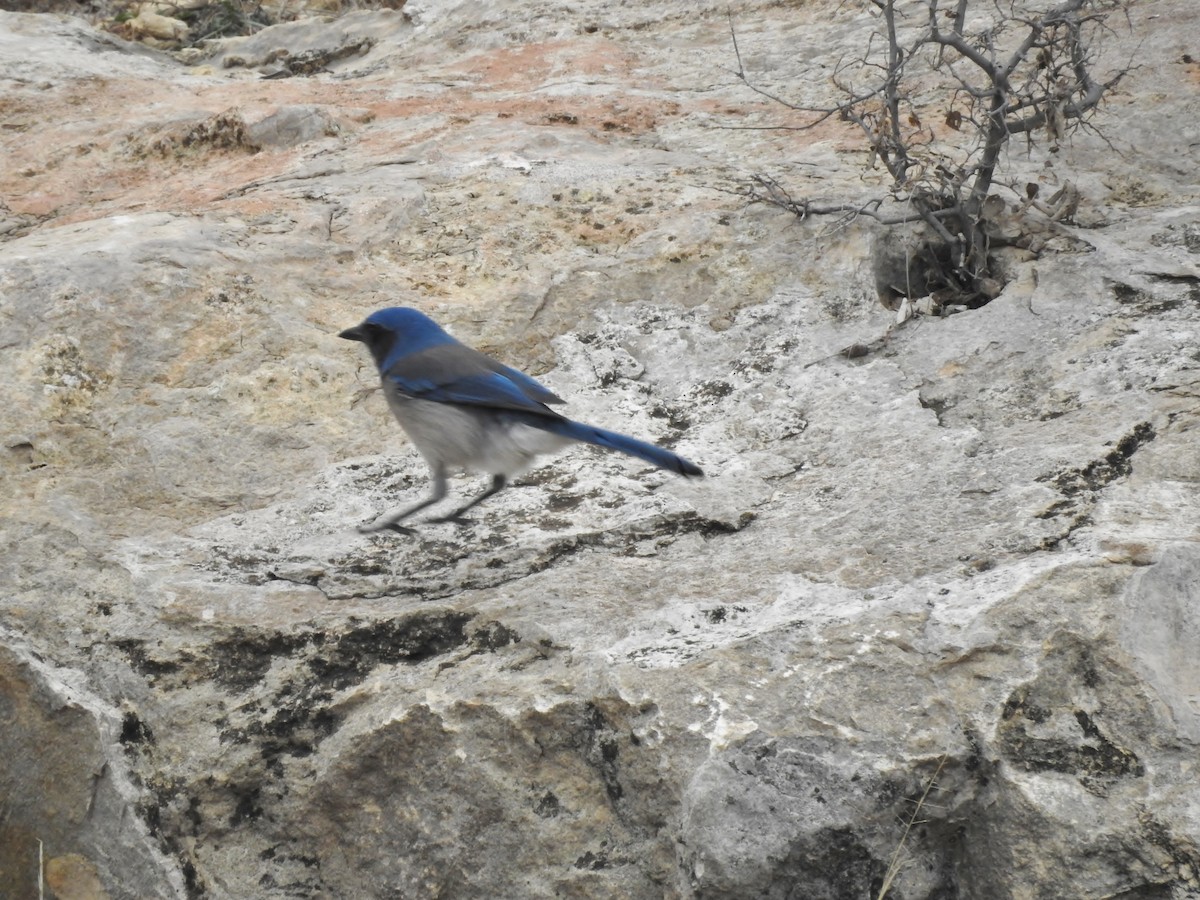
<point>348,657</point>
<point>1101,472</point>
<point>241,658</point>
<point>548,806</point>
<point>134,731</point>
<point>1057,722</point>
<point>600,742</point>
<point>142,661</point>
<point>1079,485</point>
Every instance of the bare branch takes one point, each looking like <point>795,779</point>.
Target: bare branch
<point>1029,71</point>
<point>955,41</point>
<point>741,70</point>
<point>765,189</point>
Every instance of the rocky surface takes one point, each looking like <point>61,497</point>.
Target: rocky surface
<point>935,604</point>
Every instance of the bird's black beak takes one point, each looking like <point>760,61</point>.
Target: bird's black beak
<point>353,334</point>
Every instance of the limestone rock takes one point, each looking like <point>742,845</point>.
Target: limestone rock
<point>291,125</point>
<point>151,25</point>
<point>928,624</point>
<point>69,804</point>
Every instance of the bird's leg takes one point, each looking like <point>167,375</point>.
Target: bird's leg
<point>498,483</point>
<point>391,522</point>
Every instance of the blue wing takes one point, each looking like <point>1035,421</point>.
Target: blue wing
<point>454,373</point>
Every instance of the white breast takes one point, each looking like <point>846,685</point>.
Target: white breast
<point>464,437</point>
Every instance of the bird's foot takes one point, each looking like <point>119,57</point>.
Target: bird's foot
<point>386,526</point>
<point>456,519</point>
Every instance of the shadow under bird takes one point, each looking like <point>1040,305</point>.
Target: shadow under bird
<point>464,410</point>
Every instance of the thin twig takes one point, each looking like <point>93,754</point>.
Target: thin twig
<point>893,869</point>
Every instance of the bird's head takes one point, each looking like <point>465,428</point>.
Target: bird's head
<point>396,332</point>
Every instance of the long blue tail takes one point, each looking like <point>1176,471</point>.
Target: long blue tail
<point>611,440</point>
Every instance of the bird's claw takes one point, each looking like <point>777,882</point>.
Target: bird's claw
<point>388,526</point>
<point>457,520</point>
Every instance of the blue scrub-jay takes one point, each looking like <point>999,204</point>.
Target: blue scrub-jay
<point>465,410</point>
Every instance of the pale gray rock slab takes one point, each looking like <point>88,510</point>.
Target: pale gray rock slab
<point>1158,630</point>
<point>59,47</point>
<point>292,125</point>
<point>955,565</point>
<point>69,803</point>
<point>325,43</point>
